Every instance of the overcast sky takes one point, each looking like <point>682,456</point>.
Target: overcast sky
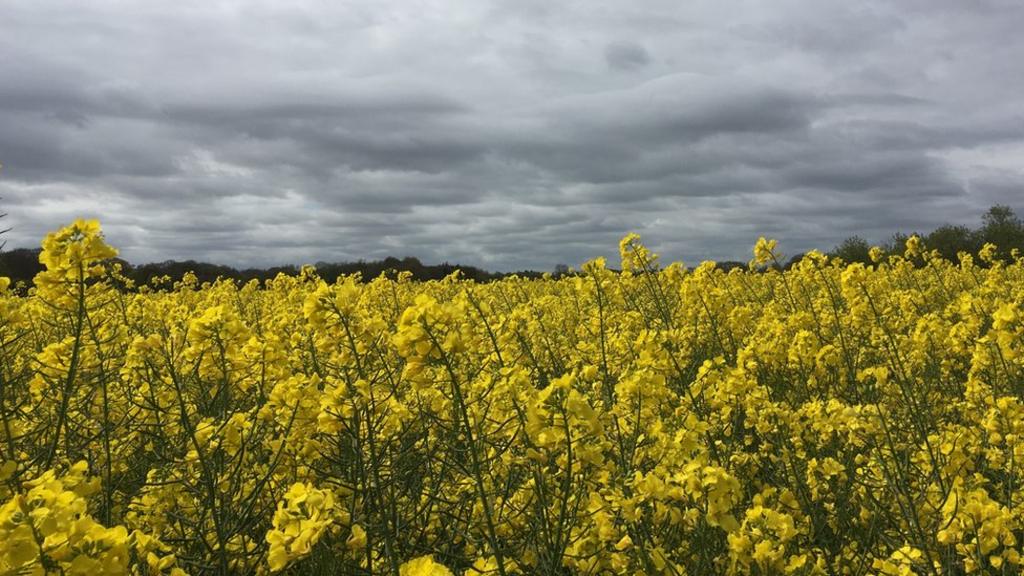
<point>509,135</point>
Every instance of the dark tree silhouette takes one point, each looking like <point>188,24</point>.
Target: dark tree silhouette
<point>853,249</point>
<point>999,226</point>
<point>951,240</point>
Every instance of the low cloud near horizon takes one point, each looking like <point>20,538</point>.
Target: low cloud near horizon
<point>508,135</point>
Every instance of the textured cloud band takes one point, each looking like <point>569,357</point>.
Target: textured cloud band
<point>505,135</point>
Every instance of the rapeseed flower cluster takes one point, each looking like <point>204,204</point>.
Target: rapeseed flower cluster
<point>826,419</point>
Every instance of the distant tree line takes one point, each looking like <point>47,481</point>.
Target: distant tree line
<point>22,264</point>
<point>999,226</point>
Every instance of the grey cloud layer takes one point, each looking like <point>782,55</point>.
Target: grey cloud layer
<point>506,134</point>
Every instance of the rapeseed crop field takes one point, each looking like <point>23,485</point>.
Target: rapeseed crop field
<point>825,419</point>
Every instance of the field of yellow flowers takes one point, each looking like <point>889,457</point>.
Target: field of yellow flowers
<point>829,419</point>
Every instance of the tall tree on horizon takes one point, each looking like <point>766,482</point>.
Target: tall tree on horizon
<point>2,216</point>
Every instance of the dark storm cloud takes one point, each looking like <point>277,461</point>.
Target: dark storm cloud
<point>626,55</point>
<point>505,134</point>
